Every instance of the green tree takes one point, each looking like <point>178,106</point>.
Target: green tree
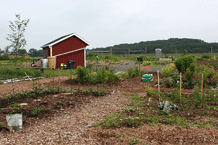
<point>33,52</point>
<point>22,52</point>
<point>17,38</point>
<point>7,50</point>
<point>1,51</point>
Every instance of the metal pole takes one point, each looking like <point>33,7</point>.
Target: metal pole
<point>180,86</point>
<point>158,80</point>
<point>71,81</point>
<point>53,78</point>
<point>58,80</point>
<point>12,85</point>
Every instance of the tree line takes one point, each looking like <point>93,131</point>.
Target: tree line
<point>32,52</point>
<point>172,45</point>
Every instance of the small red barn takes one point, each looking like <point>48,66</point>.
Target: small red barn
<point>68,47</point>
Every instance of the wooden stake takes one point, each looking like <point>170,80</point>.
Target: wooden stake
<point>202,84</point>
<point>58,80</point>
<point>158,80</point>
<point>180,86</point>
<point>128,53</point>
<point>158,83</point>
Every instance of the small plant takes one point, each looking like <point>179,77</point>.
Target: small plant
<point>149,90</point>
<point>133,141</point>
<point>129,109</point>
<point>168,71</point>
<point>167,106</point>
<point>146,63</point>
<point>168,82</point>
<point>130,72</point>
<point>8,97</point>
<point>198,100</point>
<point>16,107</point>
<point>1,124</point>
<point>36,111</point>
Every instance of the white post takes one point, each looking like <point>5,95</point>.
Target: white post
<point>85,57</point>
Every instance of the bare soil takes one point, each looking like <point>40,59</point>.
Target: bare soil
<point>205,62</point>
<point>101,62</point>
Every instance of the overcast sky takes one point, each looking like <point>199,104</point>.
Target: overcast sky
<point>109,22</point>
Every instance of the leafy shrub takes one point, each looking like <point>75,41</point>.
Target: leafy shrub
<point>130,72</point>
<point>169,82</point>
<point>198,100</point>
<point>101,75</point>
<point>189,75</point>
<point>8,73</point>
<point>167,71</point>
<point>137,72</point>
<point>206,71</point>
<point>206,57</point>
<point>185,62</point>
<point>149,91</point>
<point>91,56</point>
<point>146,63</point>
<point>123,75</point>
<point>82,74</point>
<point>4,57</point>
<point>1,124</point>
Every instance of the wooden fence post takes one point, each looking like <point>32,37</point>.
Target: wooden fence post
<point>180,86</point>
<point>58,80</point>
<point>202,85</point>
<point>128,53</point>
<point>158,83</point>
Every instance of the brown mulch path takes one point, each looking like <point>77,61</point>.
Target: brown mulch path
<point>155,135</point>
<point>205,62</point>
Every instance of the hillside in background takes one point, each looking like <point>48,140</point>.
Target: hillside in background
<point>168,46</point>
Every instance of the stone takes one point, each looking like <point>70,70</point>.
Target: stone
<point>23,104</point>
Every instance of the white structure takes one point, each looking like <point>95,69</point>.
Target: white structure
<point>158,53</point>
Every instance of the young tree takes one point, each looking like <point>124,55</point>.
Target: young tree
<point>17,37</point>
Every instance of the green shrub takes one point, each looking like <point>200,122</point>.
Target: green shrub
<point>1,124</point>
<point>123,75</point>
<point>101,75</point>
<point>8,73</point>
<point>4,57</point>
<point>185,62</point>
<point>130,72</point>
<point>169,82</point>
<point>168,71</point>
<point>189,75</point>
<point>198,100</point>
<point>208,73</point>
<point>82,74</point>
<point>206,57</point>
<point>137,72</point>
<point>146,63</point>
<point>149,91</point>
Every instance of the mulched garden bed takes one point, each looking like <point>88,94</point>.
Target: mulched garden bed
<point>42,107</point>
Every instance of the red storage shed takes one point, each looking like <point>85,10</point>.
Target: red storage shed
<point>65,48</point>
